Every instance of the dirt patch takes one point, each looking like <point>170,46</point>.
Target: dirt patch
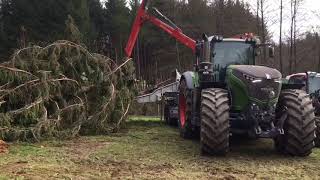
<point>15,168</point>
<point>136,170</point>
<point>3,147</point>
<point>82,148</point>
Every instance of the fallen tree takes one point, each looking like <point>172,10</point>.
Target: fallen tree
<point>62,90</point>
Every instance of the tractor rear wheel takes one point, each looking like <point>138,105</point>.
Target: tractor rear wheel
<point>299,126</point>
<point>214,122</point>
<point>185,111</point>
<point>317,140</point>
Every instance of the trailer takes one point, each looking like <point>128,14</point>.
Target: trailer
<point>157,94</point>
<point>167,96</point>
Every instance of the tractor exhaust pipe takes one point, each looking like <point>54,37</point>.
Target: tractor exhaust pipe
<point>206,65</point>
<point>206,49</point>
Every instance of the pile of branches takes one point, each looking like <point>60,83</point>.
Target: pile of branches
<point>62,91</point>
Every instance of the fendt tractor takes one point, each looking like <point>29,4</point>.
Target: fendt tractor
<point>310,82</point>
<point>228,95</point>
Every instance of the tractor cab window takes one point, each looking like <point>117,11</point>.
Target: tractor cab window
<point>233,53</point>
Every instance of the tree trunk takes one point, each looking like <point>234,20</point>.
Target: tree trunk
<point>258,20</point>
<point>177,45</point>
<point>291,39</point>
<point>263,30</point>
<point>138,47</point>
<point>318,43</point>
<point>318,46</point>
<point>280,39</point>
<point>295,36</point>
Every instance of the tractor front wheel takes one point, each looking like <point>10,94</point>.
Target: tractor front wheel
<point>299,126</point>
<point>214,122</point>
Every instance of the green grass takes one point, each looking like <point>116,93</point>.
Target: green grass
<point>147,149</point>
<point>144,118</point>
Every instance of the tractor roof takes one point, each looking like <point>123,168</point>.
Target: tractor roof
<point>299,75</point>
<point>296,75</point>
<point>228,39</point>
<point>234,39</point>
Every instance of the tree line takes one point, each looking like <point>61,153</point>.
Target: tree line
<point>104,27</point>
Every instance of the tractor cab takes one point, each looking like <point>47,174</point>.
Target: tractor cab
<point>313,82</point>
<point>309,80</point>
<point>218,53</point>
<point>238,50</point>
<point>234,51</point>
<point>231,51</point>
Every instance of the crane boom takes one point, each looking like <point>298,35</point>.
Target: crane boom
<point>143,16</point>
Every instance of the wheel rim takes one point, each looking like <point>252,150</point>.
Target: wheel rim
<point>182,110</point>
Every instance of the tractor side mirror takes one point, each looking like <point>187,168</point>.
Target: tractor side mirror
<point>206,49</point>
<point>271,51</point>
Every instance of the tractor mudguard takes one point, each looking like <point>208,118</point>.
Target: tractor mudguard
<point>292,86</point>
<point>189,77</point>
<point>191,80</point>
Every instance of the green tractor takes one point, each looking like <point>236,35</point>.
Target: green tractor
<point>228,95</point>
<point>310,82</point>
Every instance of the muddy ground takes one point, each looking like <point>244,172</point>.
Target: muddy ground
<point>3,147</point>
<point>147,149</point>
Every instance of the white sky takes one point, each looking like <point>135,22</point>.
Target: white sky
<point>308,16</point>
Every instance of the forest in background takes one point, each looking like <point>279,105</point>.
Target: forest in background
<point>104,27</point>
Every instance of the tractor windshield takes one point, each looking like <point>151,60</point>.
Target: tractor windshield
<point>233,53</point>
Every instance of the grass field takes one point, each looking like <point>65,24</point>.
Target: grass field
<point>147,149</point>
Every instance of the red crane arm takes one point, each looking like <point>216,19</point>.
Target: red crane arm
<point>143,16</point>
<point>176,33</point>
<point>136,28</point>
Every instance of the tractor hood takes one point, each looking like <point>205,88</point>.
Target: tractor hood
<point>261,72</point>
<point>253,85</point>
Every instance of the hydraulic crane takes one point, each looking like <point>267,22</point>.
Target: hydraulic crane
<point>143,16</point>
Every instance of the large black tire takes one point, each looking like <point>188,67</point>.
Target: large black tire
<point>299,126</point>
<point>214,122</point>
<point>317,140</point>
<point>185,111</point>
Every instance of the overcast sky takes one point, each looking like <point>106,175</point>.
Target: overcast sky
<point>308,16</point>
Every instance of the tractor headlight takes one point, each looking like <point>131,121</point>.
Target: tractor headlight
<point>257,81</point>
<point>248,77</point>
